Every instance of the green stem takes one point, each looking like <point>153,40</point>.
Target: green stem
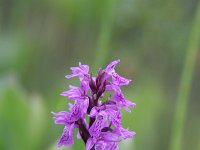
<point>102,51</point>
<point>185,84</point>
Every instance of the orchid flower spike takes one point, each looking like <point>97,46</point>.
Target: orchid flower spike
<point>104,130</point>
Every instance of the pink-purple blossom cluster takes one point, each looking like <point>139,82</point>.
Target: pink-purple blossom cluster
<point>104,130</point>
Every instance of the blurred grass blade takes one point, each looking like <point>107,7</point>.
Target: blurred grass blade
<point>103,51</point>
<point>37,122</point>
<point>185,84</point>
<point>198,146</point>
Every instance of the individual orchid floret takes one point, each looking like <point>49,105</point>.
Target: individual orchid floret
<point>99,123</point>
<point>62,118</point>
<point>124,133</point>
<point>110,69</point>
<point>67,138</point>
<point>81,72</point>
<point>104,130</point>
<point>118,97</point>
<point>75,93</point>
<point>107,141</point>
<point>118,80</point>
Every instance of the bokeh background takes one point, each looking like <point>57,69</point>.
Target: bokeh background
<point>157,42</point>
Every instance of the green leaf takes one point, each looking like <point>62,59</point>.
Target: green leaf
<point>13,116</point>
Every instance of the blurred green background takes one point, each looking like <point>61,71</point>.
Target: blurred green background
<point>157,42</point>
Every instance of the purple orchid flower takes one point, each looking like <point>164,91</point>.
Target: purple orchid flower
<point>104,130</point>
